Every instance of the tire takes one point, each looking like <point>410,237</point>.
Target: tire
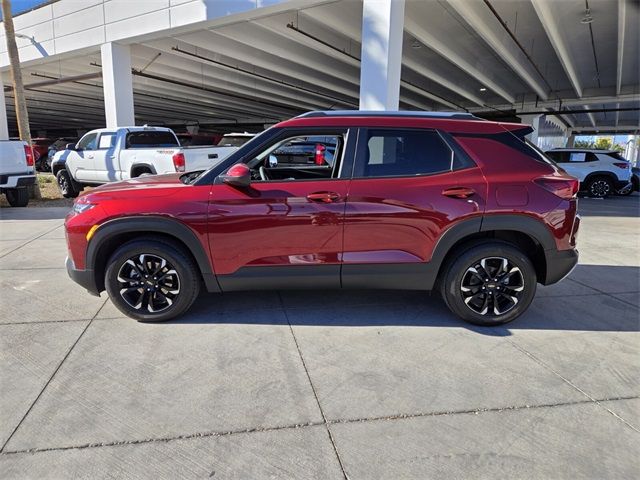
<point>18,197</point>
<point>66,184</point>
<point>126,283</point>
<point>600,187</point>
<point>492,302</point>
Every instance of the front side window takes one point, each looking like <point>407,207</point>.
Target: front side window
<point>393,153</point>
<point>300,157</point>
<point>88,142</point>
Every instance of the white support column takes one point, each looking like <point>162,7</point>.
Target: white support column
<point>536,121</point>
<point>4,127</point>
<point>382,28</point>
<point>571,139</point>
<point>117,83</point>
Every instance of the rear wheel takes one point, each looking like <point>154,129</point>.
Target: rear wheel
<point>600,187</point>
<point>66,185</point>
<point>490,283</point>
<point>17,197</point>
<point>151,280</point>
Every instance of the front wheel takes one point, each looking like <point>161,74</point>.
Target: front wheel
<point>66,185</point>
<point>151,280</point>
<point>18,197</point>
<point>599,187</point>
<point>489,283</point>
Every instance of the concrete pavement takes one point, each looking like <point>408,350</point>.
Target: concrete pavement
<point>320,384</point>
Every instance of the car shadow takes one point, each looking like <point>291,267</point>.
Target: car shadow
<point>569,305</point>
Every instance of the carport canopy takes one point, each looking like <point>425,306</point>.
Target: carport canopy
<point>568,67</point>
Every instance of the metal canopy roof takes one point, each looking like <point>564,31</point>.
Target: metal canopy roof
<point>512,56</point>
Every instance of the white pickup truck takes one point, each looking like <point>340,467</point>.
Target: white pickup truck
<point>113,154</point>
<point>16,171</point>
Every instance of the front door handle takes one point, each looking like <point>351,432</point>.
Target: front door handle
<point>323,197</point>
<point>458,192</point>
<point>90,156</point>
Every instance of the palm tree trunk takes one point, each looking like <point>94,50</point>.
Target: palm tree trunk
<point>22,116</point>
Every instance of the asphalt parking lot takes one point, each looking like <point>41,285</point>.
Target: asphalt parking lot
<point>321,384</point>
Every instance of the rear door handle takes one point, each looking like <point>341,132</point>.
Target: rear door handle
<point>458,192</point>
<point>323,197</point>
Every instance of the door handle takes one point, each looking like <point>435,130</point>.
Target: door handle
<point>323,197</point>
<point>89,156</point>
<point>458,192</point>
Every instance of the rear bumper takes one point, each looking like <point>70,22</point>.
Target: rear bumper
<point>84,278</point>
<point>17,180</point>
<point>560,263</point>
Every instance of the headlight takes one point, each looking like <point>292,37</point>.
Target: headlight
<point>82,207</point>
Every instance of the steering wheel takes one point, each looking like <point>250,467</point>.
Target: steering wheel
<point>263,173</point>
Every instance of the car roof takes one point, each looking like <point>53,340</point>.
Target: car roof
<point>388,113</point>
<point>448,121</point>
<point>133,129</point>
<point>593,150</point>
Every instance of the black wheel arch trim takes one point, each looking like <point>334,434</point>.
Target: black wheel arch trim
<point>153,224</point>
<point>612,176</point>
<point>527,225</point>
<point>142,165</point>
<point>521,223</point>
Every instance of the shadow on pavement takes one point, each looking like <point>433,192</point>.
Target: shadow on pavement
<point>344,308</point>
<point>614,206</point>
<point>35,213</point>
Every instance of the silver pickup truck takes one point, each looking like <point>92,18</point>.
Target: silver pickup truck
<point>114,154</point>
<point>16,171</point>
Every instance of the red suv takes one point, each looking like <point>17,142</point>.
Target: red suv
<point>404,200</point>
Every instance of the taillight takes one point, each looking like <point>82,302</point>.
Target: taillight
<point>566,188</point>
<point>178,161</point>
<point>28,153</point>
<point>623,165</point>
<point>319,154</point>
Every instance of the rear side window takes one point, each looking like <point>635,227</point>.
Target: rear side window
<point>394,153</point>
<point>107,140</point>
<point>558,157</point>
<point>151,139</point>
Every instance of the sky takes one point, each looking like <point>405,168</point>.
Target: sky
<point>619,139</point>
<point>19,6</point>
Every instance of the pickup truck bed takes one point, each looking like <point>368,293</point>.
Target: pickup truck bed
<point>112,155</point>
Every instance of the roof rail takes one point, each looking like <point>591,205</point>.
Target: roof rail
<point>387,113</point>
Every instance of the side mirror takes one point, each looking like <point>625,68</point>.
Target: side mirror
<point>273,161</point>
<point>238,176</point>
<point>70,146</point>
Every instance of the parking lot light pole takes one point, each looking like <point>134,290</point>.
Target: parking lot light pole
<point>22,116</point>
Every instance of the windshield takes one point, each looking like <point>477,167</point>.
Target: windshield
<point>234,141</point>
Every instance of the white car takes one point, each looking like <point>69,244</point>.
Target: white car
<point>114,154</point>
<point>16,171</point>
<point>601,172</point>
